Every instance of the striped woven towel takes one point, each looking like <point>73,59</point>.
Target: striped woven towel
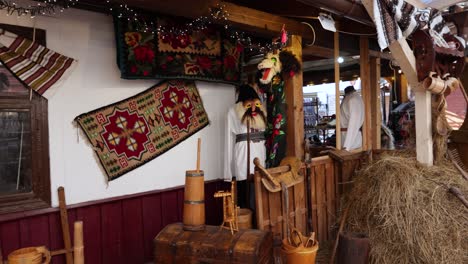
<point>395,19</point>
<point>35,65</point>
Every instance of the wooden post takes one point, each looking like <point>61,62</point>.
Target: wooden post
<point>376,112</point>
<point>65,227</point>
<point>405,57</point>
<point>337,88</point>
<point>365,92</point>
<point>78,248</point>
<point>294,102</point>
<point>403,89</point>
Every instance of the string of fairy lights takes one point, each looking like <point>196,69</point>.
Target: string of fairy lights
<point>35,8</point>
<point>217,15</point>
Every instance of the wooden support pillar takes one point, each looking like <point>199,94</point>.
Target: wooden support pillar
<point>405,57</point>
<point>365,93</point>
<point>294,102</point>
<point>376,112</point>
<point>403,89</point>
<point>337,89</point>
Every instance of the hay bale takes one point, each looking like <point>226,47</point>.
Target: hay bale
<point>408,214</point>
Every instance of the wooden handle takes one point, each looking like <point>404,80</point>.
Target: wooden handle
<point>46,253</point>
<point>198,154</point>
<point>65,227</point>
<point>455,191</point>
<point>78,256</point>
<point>265,172</point>
<point>342,222</point>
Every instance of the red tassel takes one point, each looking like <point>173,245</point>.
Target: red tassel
<point>291,73</point>
<point>284,36</point>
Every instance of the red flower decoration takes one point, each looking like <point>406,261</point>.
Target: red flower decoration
<point>230,62</point>
<point>144,54</point>
<point>204,62</point>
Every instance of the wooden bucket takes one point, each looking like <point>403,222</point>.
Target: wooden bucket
<point>353,248</point>
<point>30,255</point>
<point>244,218</point>
<point>300,254</point>
<point>194,201</point>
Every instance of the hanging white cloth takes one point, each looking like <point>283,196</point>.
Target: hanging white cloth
<point>351,120</point>
<point>235,158</point>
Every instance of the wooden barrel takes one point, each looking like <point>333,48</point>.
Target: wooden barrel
<point>194,201</point>
<point>244,218</point>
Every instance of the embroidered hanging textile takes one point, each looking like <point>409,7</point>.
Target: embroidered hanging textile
<point>38,67</point>
<point>276,129</point>
<point>129,133</point>
<point>202,55</point>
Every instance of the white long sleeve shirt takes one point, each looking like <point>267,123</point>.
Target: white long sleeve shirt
<point>352,118</point>
<point>235,158</point>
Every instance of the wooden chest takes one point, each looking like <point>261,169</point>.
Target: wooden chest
<point>175,245</point>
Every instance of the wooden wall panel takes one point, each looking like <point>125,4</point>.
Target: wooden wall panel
<point>10,237</point>
<point>170,212</point>
<point>39,230</point>
<point>152,221</point>
<point>91,217</point>
<point>55,237</point>
<point>118,230</point>
<point>111,229</point>
<point>133,231</point>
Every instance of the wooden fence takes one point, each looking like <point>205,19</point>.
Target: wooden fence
<point>329,178</point>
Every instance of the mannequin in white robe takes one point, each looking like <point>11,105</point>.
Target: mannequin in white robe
<point>351,120</point>
<point>236,153</point>
<point>248,109</point>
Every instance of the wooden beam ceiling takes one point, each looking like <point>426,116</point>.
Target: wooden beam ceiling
<point>255,22</point>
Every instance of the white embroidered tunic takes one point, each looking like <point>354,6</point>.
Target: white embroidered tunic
<point>235,158</point>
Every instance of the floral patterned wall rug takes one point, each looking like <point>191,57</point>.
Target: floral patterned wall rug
<point>129,133</point>
<point>199,55</point>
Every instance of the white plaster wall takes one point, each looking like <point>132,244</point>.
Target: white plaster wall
<point>95,82</point>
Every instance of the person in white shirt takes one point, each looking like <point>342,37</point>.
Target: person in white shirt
<point>352,118</point>
<point>248,108</point>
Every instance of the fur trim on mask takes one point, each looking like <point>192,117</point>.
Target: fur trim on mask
<point>258,123</point>
<point>269,66</point>
<point>285,62</point>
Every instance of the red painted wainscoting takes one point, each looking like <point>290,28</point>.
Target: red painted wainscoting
<point>117,230</point>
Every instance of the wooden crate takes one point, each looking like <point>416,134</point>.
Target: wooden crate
<point>270,205</point>
<point>213,245</point>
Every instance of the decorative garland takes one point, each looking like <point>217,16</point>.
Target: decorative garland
<point>46,7</point>
<point>217,14</point>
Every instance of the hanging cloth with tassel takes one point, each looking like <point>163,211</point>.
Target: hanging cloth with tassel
<point>38,67</point>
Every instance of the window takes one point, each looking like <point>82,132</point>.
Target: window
<point>24,146</point>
